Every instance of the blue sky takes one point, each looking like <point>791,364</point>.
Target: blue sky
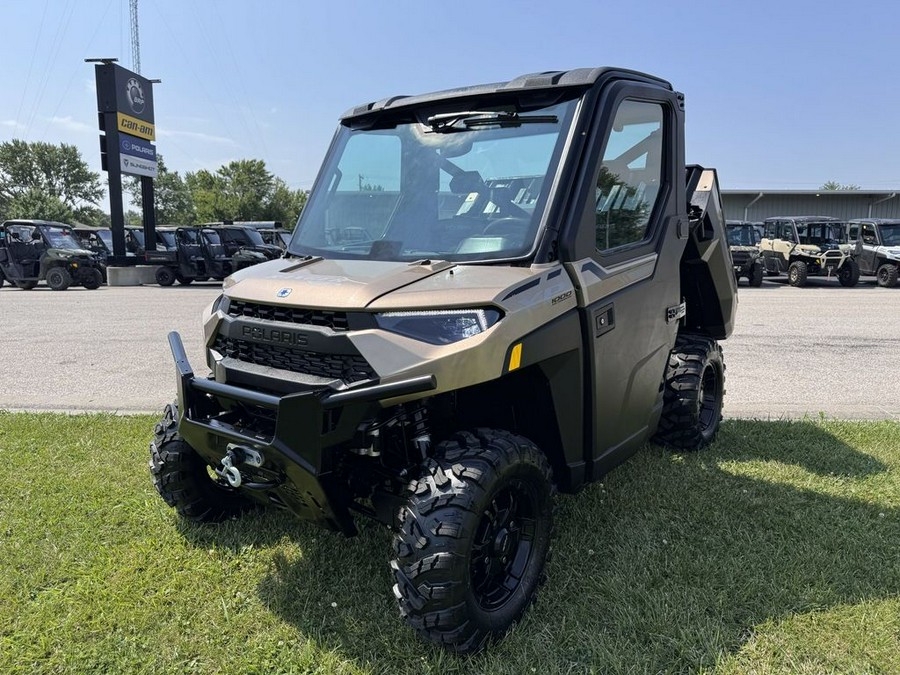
<point>779,94</point>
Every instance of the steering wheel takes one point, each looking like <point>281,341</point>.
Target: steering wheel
<point>508,225</point>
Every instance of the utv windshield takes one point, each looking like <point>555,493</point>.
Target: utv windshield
<point>106,238</point>
<point>890,235</point>
<point>61,238</point>
<point>167,239</point>
<point>463,186</point>
<point>239,236</point>
<point>822,233</point>
<point>742,235</point>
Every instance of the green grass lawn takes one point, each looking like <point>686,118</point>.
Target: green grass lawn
<point>775,550</point>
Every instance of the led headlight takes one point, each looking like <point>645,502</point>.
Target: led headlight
<point>439,327</point>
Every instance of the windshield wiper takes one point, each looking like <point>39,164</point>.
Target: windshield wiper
<point>446,122</point>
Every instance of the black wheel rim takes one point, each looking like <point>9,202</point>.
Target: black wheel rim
<point>883,275</point>
<point>708,401</point>
<point>503,545</point>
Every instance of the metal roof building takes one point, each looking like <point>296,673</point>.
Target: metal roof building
<point>756,205</point>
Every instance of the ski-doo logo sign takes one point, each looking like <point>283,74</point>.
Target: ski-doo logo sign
<point>283,292</point>
<point>134,92</point>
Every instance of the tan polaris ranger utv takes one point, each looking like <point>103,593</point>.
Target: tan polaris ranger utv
<point>804,246</point>
<point>493,292</point>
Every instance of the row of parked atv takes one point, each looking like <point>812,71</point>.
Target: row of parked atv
<point>805,246</point>
<point>32,251</point>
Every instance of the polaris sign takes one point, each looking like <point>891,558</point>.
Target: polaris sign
<point>137,147</point>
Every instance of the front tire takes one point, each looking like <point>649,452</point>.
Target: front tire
<point>848,275</point>
<point>473,538</point>
<point>165,276</point>
<point>183,280</point>
<point>183,480</point>
<point>693,394</point>
<point>797,273</point>
<point>756,276</point>
<point>58,278</point>
<point>887,275</point>
<point>92,279</point>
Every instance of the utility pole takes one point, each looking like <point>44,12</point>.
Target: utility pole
<point>135,38</point>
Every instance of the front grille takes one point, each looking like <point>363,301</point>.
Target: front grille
<point>336,321</point>
<point>346,367</point>
<point>740,257</point>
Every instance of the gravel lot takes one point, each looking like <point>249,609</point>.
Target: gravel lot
<point>821,349</point>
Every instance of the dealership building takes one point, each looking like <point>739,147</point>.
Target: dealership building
<point>757,205</point>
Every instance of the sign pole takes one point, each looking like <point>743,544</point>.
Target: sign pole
<point>149,213</point>
<point>114,174</point>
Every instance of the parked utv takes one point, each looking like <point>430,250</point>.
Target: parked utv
<point>804,246</point>
<point>32,251</point>
<point>198,255</point>
<point>531,288</point>
<point>238,237</point>
<point>135,242</point>
<point>743,242</point>
<point>876,246</point>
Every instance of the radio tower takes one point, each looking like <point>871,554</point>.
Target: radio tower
<point>135,37</point>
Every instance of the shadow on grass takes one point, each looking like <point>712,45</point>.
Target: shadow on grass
<point>668,564</point>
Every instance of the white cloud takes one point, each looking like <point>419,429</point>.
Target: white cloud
<point>12,124</point>
<point>70,124</point>
<point>196,136</point>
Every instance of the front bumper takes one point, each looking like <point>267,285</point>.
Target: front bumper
<point>299,435</point>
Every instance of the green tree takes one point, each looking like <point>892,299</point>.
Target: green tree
<point>91,215</point>
<point>56,171</point>
<point>834,185</point>
<point>37,204</point>
<point>243,190</point>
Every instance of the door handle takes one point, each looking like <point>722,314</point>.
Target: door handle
<point>604,320</point>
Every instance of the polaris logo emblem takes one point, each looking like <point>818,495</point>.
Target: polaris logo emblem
<point>283,292</point>
<point>283,337</point>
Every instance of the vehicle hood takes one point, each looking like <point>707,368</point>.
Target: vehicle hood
<point>748,249</point>
<point>70,253</point>
<point>358,284</point>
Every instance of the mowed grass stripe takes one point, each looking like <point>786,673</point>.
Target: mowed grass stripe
<point>775,550</point>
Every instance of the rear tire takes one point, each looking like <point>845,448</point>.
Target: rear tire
<point>165,276</point>
<point>58,278</point>
<point>756,276</point>
<point>693,395</point>
<point>473,538</point>
<point>182,479</point>
<point>184,281</point>
<point>797,273</point>
<point>887,275</point>
<point>848,275</point>
<point>92,279</point>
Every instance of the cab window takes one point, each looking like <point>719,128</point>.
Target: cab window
<point>868,234</point>
<point>630,176</point>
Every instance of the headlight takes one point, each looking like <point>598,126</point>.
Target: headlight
<point>439,327</point>
<point>219,303</point>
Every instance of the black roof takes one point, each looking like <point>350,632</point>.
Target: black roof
<point>877,221</point>
<point>806,219</point>
<point>26,221</point>
<point>554,79</point>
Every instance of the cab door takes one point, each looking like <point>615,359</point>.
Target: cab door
<point>869,239</point>
<point>631,236</point>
